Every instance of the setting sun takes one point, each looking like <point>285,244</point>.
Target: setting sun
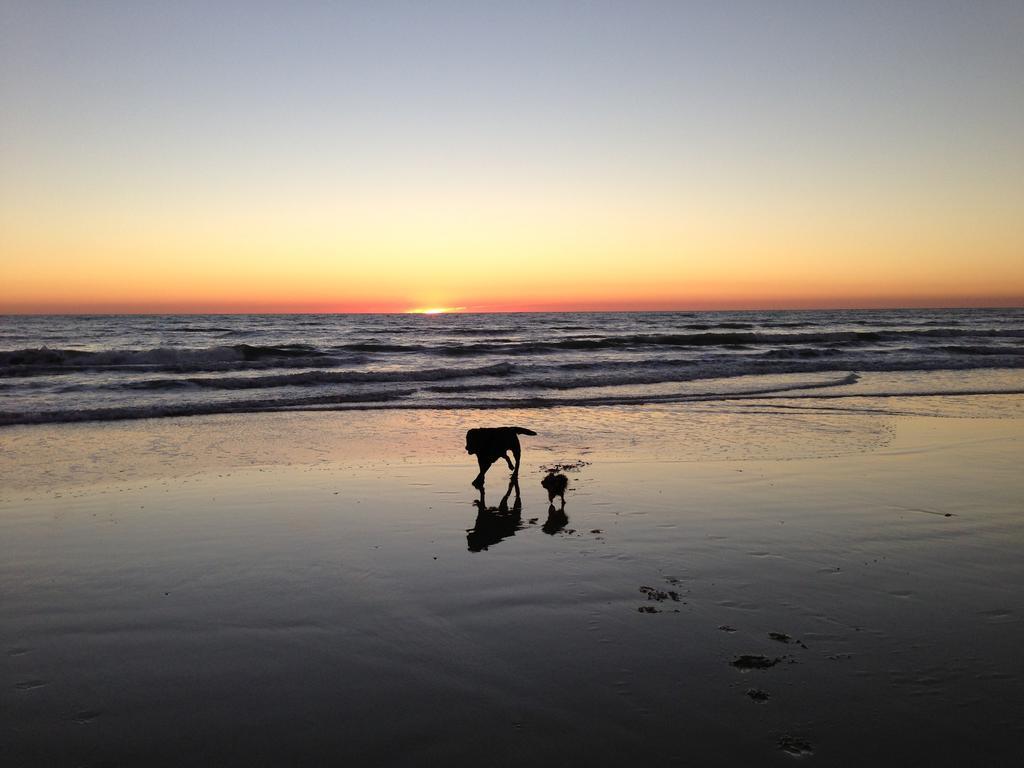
<point>433,310</point>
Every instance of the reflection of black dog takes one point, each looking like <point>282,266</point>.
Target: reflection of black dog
<point>555,485</point>
<point>491,444</point>
<point>495,523</point>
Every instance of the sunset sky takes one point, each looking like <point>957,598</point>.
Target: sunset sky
<point>383,156</point>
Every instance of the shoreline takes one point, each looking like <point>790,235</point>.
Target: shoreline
<point>806,387</point>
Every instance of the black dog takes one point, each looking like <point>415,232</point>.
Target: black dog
<point>493,443</point>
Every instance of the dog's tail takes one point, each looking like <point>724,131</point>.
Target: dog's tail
<point>523,431</point>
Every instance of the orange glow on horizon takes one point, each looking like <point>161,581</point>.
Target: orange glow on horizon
<point>542,304</point>
<point>471,250</point>
<point>620,261</point>
<point>623,260</point>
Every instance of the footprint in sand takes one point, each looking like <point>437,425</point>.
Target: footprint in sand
<point>29,685</point>
<point>738,605</point>
<point>997,614</point>
<point>795,745</point>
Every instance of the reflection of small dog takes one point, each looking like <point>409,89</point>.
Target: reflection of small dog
<point>555,485</point>
<point>557,520</point>
<point>493,443</point>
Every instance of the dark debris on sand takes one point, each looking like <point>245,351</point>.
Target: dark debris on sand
<point>756,694</point>
<point>782,637</point>
<point>749,661</point>
<point>574,466</point>
<point>660,594</point>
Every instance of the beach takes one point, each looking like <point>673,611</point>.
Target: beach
<point>511,385</point>
<point>730,583</point>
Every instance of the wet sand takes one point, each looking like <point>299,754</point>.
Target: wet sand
<point>724,587</point>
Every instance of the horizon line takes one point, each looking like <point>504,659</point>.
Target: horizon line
<point>414,312</point>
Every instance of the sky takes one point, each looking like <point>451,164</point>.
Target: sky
<point>386,156</point>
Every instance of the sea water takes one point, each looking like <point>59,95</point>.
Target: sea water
<point>108,367</point>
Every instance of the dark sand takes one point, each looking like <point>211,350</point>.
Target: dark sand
<point>301,589</point>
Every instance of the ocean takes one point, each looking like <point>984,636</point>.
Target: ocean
<point>57,369</point>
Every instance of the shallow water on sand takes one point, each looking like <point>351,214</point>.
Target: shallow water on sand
<point>353,605</point>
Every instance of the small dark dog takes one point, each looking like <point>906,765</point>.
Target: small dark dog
<point>493,443</point>
<point>555,485</point>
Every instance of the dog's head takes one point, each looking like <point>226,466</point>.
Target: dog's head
<point>471,438</point>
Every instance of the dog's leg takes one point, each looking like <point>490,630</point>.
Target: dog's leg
<point>503,505</point>
<point>517,505</point>
<point>484,465</point>
<point>517,453</point>
<point>509,462</point>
